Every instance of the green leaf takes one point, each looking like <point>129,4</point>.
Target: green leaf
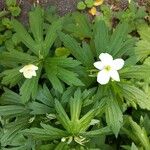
<point>75,106</point>
<point>86,119</point>
<point>51,72</point>
<point>133,93</point>
<point>29,89</point>
<point>15,10</point>
<point>81,5</point>
<point>58,69</point>
<point>62,145</point>
<point>88,55</point>
<point>52,35</point>
<point>101,37</point>
<point>11,2</point>
<point>12,110</point>
<point>47,133</point>
<point>94,133</point>
<point>84,54</point>
<point>134,130</point>
<point>142,49</point>
<point>78,25</point>
<point>89,3</point>
<point>25,37</point>
<point>134,147</point>
<point>44,96</point>
<point>117,39</point>
<point>11,77</point>
<point>68,94</point>
<point>36,24</point>
<point>16,57</point>
<point>62,51</point>
<point>114,116</point>
<point>39,108</point>
<point>11,131</point>
<point>62,116</point>
<point>135,72</point>
<point>69,77</point>
<point>63,62</point>
<point>10,97</point>
<point>53,130</point>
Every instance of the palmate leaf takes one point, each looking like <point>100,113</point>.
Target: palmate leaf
<point>11,131</point>
<point>12,110</point>
<point>16,57</point>
<point>116,43</point>
<point>101,37</point>
<point>117,39</point>
<point>135,132</point>
<point>39,108</point>
<point>47,133</point>
<point>62,116</point>
<point>52,35</point>
<point>86,119</point>
<point>51,72</point>
<point>77,125</point>
<point>75,106</point>
<point>13,59</point>
<point>29,89</point>
<point>44,103</point>
<point>135,72</point>
<point>36,23</point>
<point>138,96</point>
<point>11,77</point>
<point>83,54</point>
<point>25,37</point>
<point>142,49</point>
<point>114,116</point>
<point>39,45</point>
<point>102,131</point>
<point>44,96</point>
<point>78,25</point>
<point>58,69</point>
<point>9,97</point>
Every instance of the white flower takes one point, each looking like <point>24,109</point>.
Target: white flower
<point>108,68</point>
<point>29,71</point>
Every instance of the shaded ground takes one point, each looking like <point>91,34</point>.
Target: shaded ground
<point>65,6</point>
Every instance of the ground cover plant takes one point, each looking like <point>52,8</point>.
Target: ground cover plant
<point>81,81</point>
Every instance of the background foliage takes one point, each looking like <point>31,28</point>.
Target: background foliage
<point>63,107</point>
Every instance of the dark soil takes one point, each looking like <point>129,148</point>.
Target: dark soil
<point>65,6</point>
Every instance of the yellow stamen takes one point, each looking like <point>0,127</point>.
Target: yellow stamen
<point>108,68</point>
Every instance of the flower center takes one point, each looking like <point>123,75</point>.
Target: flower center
<point>107,68</point>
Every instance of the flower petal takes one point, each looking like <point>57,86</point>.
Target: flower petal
<point>35,67</point>
<point>115,75</point>
<point>106,58</point>
<point>103,77</point>
<point>99,65</point>
<point>33,73</point>
<point>21,70</point>
<point>27,75</point>
<point>118,64</point>
<point>31,66</point>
